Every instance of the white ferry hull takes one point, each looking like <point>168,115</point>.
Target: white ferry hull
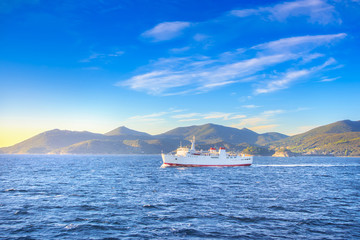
<point>205,161</point>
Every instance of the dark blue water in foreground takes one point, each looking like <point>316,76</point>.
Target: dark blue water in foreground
<point>131,197</point>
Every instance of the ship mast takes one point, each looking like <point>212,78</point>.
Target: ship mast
<point>193,144</point>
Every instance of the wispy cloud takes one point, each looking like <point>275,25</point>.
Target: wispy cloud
<point>91,68</point>
<point>166,31</point>
<point>283,82</point>
<point>148,116</point>
<point>101,56</point>
<point>217,115</point>
<point>154,116</point>
<point>300,43</point>
<point>273,112</point>
<point>198,74</point>
<point>262,121</point>
<point>211,115</point>
<point>174,76</point>
<point>180,50</point>
<point>250,106</point>
<point>317,11</point>
<point>299,109</point>
<point>186,115</point>
<point>326,79</point>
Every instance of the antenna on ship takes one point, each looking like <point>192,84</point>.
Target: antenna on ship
<point>193,144</point>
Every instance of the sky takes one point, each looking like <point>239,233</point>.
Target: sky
<point>94,65</point>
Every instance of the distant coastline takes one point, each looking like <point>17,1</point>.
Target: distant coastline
<point>341,138</point>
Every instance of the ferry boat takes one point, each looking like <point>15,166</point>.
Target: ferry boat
<point>185,157</point>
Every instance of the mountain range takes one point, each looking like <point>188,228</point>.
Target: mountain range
<point>340,138</point>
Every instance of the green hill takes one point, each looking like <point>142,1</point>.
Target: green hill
<point>266,138</point>
<point>340,139</point>
<point>109,146</point>
<point>212,133</point>
<point>338,144</point>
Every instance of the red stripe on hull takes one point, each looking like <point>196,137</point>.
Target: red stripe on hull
<point>196,165</point>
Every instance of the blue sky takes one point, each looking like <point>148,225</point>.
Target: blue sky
<point>284,66</point>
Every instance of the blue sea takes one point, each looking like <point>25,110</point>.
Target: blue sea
<point>131,197</point>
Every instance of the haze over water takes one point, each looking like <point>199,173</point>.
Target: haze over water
<point>131,197</point>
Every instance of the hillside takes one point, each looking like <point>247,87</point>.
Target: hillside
<point>48,141</point>
<point>340,139</point>
<point>212,133</point>
<point>338,144</point>
<point>266,138</point>
<point>108,146</point>
<point>124,131</point>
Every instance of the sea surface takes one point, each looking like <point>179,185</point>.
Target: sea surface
<point>131,197</point>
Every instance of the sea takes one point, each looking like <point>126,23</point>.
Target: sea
<point>132,197</point>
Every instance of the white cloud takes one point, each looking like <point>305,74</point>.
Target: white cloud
<point>153,115</point>
<point>250,106</point>
<point>261,121</point>
<point>172,76</point>
<point>329,62</point>
<point>186,115</point>
<point>299,109</point>
<point>329,79</point>
<point>91,68</point>
<point>211,115</point>
<point>310,57</point>
<point>246,12</point>
<point>102,56</point>
<point>218,84</point>
<point>286,80</point>
<point>283,82</point>
<point>200,37</point>
<point>180,50</point>
<point>317,11</point>
<point>299,43</point>
<point>166,31</point>
<point>273,112</point>
<point>156,82</point>
<point>216,115</point>
<point>198,74</point>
